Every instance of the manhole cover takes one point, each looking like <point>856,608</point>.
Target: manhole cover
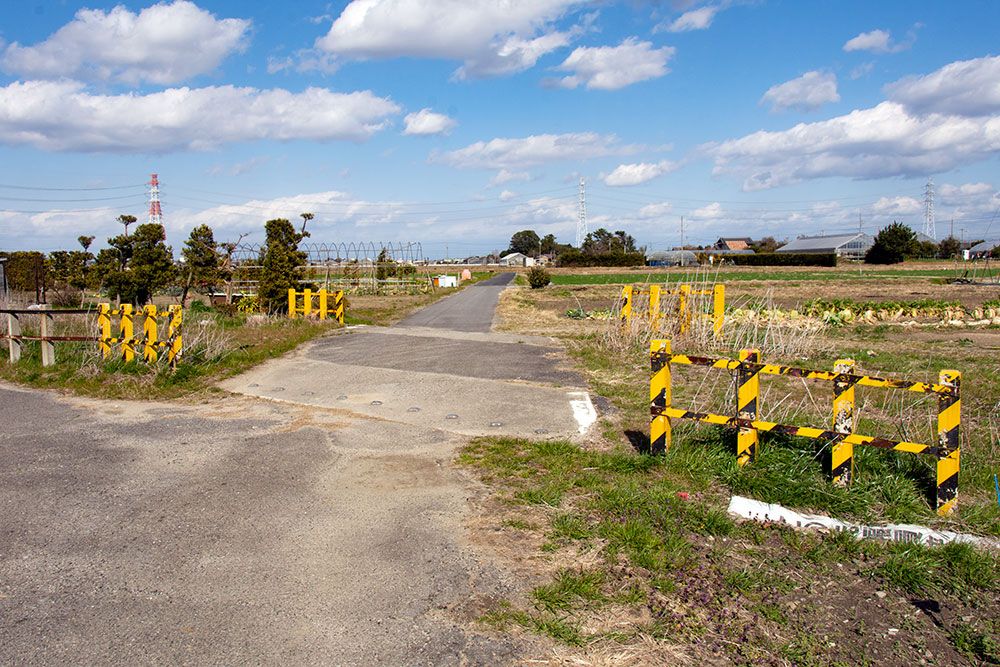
<point>541,431</point>
<point>376,402</point>
<point>278,389</point>
<point>414,409</point>
<point>496,424</point>
<point>451,416</point>
<point>341,398</point>
<point>252,385</point>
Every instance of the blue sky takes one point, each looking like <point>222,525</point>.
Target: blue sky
<point>456,123</point>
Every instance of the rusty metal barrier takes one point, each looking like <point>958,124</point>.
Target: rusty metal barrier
<point>748,369</point>
<point>653,311</point>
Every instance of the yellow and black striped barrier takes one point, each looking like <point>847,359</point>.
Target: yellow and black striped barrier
<point>748,370</point>
<point>651,308</point>
<point>150,343</point>
<point>322,309</point>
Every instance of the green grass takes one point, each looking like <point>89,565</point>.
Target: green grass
<point>731,275</point>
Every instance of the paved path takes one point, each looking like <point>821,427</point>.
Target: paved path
<point>324,524</point>
<point>472,309</point>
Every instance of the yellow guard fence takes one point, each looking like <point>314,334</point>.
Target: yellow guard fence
<point>651,309</point>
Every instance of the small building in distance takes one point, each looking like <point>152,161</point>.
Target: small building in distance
<point>851,246</point>
<point>741,243</point>
<point>517,259</point>
<point>982,249</point>
<point>671,258</point>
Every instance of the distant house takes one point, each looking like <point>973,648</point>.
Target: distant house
<point>741,243</point>
<point>517,259</point>
<point>852,246</point>
<point>671,258</point>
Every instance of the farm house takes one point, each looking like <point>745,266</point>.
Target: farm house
<point>851,246</point>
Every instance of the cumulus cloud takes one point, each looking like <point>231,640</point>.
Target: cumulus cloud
<point>897,206</point>
<point>62,116</point>
<point>695,19</point>
<point>805,93</point>
<point>492,38</point>
<point>162,44</point>
<point>614,67</point>
<point>507,176</point>
<point>876,41</point>
<point>506,195</point>
<point>503,153</point>
<point>890,139</point>
<point>709,212</point>
<point>963,88</point>
<point>426,122</point>
<point>651,211</point>
<point>634,174</point>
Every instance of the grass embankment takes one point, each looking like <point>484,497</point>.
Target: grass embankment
<point>218,344</point>
<point>641,548</point>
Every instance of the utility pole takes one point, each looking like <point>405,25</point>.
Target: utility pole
<point>952,233</point>
<point>581,222</point>
<point>682,232</point>
<point>929,209</point>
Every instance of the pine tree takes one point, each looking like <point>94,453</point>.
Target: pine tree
<point>281,266</point>
<point>201,261</point>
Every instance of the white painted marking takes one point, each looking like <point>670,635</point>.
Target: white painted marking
<point>583,409</point>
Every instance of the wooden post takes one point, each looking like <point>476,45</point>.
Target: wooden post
<point>48,347</point>
<point>14,329</point>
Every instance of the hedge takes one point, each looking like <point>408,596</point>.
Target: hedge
<point>783,259</point>
<point>574,257</point>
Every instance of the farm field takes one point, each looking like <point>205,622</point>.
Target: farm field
<point>636,555</point>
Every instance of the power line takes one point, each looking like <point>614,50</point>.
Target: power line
<point>32,187</point>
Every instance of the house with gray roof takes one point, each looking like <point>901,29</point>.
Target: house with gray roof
<point>851,246</point>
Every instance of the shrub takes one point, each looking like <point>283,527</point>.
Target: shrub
<point>538,277</point>
<point>892,245</point>
<point>573,257</point>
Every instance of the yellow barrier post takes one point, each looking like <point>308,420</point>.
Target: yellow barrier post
<point>682,307</point>
<point>747,392</point>
<point>660,434</point>
<point>654,306</point>
<point>718,309</point>
<point>338,308</point>
<point>842,453</point>
<point>174,335</point>
<point>104,329</point>
<point>626,313</point>
<point>322,304</point>
<point>127,328</point>
<point>949,422</point>
<point>307,302</point>
<point>291,303</point>
<point>149,330</point>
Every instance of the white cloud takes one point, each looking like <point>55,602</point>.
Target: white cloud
<point>507,176</point>
<point>890,139</point>
<point>491,37</point>
<point>897,206</point>
<point>709,212</point>
<point>614,67</point>
<point>949,192</point>
<point>963,88</point>
<point>805,93</point>
<point>650,211</point>
<point>696,19</point>
<point>634,174</point>
<point>862,70</point>
<point>505,153</point>
<point>506,195</point>
<point>62,116</point>
<point>426,122</point>
<point>876,41</point>
<point>162,44</point>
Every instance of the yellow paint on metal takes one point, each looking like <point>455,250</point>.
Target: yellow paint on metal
<point>322,304</point>
<point>747,395</point>
<point>660,432</point>
<point>718,309</point>
<point>307,302</point>
<point>291,303</point>
<point>174,334</point>
<point>626,298</point>
<point>149,332</point>
<point>104,329</point>
<point>654,306</point>
<point>683,307</point>
<point>842,453</point>
<point>949,453</point>
<point>127,329</point>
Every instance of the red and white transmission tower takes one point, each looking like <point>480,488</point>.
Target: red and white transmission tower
<point>155,214</point>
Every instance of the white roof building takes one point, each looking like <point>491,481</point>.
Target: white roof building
<point>517,259</point>
<point>843,245</point>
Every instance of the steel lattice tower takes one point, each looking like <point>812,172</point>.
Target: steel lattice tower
<point>155,214</point>
<point>581,221</point>
<point>929,209</point>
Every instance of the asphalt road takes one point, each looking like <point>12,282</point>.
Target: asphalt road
<point>471,309</point>
<point>313,516</point>
<point>240,532</point>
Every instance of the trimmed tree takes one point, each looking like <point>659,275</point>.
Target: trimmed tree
<point>136,266</point>
<point>525,242</point>
<point>201,261</point>
<point>281,266</point>
<point>892,245</point>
